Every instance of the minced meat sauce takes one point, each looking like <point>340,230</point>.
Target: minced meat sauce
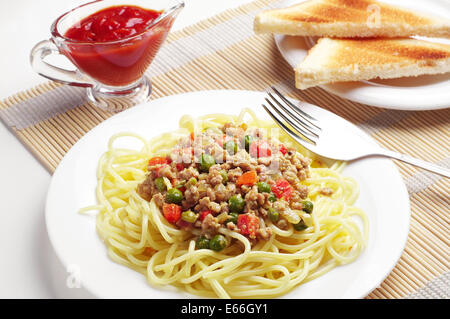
<point>228,177</point>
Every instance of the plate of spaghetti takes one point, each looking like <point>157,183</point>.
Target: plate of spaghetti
<point>202,195</point>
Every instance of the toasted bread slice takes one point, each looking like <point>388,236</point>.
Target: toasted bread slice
<point>342,60</point>
<point>350,18</point>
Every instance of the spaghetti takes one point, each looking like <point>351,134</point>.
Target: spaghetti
<point>139,236</point>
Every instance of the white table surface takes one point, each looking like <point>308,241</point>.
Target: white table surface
<point>28,267</point>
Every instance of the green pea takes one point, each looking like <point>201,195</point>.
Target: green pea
<point>202,243</point>
<point>272,198</point>
<point>189,216</point>
<point>300,226</point>
<point>217,243</point>
<point>224,175</point>
<point>263,187</point>
<point>236,203</point>
<point>231,147</point>
<point>308,206</point>
<point>160,184</point>
<point>274,216</point>
<point>248,139</point>
<point>232,218</point>
<point>206,162</point>
<point>174,196</point>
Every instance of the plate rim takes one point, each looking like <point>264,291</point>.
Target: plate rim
<point>368,99</point>
<point>92,290</point>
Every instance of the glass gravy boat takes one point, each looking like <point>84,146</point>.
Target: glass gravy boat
<point>112,71</point>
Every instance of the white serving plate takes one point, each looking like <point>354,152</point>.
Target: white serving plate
<point>383,196</point>
<point>427,92</point>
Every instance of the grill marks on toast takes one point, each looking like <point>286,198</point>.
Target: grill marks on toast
<point>364,39</point>
<point>379,51</point>
<point>338,60</point>
<point>350,18</point>
<point>354,11</point>
<point>324,14</point>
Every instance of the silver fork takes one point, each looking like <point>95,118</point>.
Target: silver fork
<point>329,135</point>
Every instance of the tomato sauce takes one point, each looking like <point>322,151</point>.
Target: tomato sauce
<point>117,44</point>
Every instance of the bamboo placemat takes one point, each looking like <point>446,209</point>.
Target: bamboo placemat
<point>223,53</point>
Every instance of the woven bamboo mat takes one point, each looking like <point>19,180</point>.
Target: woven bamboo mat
<point>223,53</point>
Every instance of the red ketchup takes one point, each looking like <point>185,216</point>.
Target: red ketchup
<point>113,45</point>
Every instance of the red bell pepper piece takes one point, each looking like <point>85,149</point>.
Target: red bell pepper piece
<point>282,189</point>
<point>248,224</point>
<point>260,149</point>
<point>172,212</point>
<point>158,160</point>
<point>283,149</point>
<point>204,214</point>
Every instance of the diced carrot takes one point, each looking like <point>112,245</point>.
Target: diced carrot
<point>248,178</point>
<point>149,251</point>
<point>158,160</point>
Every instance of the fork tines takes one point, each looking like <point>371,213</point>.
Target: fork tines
<point>293,116</point>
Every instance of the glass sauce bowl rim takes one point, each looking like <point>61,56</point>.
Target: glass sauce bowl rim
<point>165,13</point>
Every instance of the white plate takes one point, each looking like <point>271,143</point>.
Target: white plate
<point>427,92</point>
<point>76,242</point>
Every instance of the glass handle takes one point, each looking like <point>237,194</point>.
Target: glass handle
<point>54,73</point>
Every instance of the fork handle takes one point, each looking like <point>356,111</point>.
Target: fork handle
<point>416,162</point>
